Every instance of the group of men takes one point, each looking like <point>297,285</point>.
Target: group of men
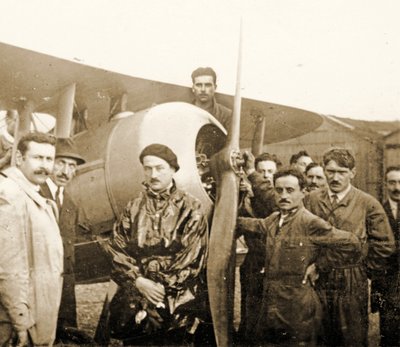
<point>313,239</point>
<point>312,273</point>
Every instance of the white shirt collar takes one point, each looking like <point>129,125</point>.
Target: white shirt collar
<point>341,195</point>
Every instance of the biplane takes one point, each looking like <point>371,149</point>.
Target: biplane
<point>112,117</point>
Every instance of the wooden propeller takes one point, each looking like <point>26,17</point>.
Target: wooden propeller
<point>221,258</point>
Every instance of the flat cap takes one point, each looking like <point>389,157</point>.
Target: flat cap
<point>65,147</point>
<point>160,151</point>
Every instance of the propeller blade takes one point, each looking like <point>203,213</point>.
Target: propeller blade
<point>221,258</point>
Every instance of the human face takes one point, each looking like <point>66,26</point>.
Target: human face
<point>158,173</point>
<point>288,194</point>
<point>302,163</point>
<point>37,162</point>
<point>267,168</point>
<point>338,177</point>
<point>316,178</point>
<point>393,185</point>
<point>64,170</point>
<point>203,89</point>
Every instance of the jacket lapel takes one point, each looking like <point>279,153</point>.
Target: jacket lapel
<point>45,191</point>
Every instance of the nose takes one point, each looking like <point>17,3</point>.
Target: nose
<point>65,170</point>
<point>284,195</point>
<point>314,179</point>
<point>336,176</point>
<point>153,173</point>
<point>203,87</point>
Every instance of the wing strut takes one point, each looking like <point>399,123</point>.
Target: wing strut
<point>221,259</point>
<point>65,111</point>
<point>259,135</point>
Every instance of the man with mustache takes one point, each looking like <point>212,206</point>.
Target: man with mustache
<point>315,177</point>
<point>290,309</point>
<point>344,289</point>
<point>31,257</point>
<point>204,85</point>
<point>260,173</point>
<point>385,288</point>
<point>71,218</point>
<point>158,252</point>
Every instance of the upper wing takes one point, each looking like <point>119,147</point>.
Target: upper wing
<point>40,78</point>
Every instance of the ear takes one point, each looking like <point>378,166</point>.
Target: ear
<point>18,158</point>
<point>353,172</point>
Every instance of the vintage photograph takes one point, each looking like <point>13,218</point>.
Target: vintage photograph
<point>200,173</point>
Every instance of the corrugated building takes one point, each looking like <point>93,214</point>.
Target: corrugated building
<point>367,147</point>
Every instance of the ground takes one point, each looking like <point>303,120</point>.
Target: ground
<point>90,301</point>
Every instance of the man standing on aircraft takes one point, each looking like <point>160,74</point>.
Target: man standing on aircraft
<point>344,289</point>
<point>315,177</point>
<point>204,85</point>
<point>385,288</point>
<point>300,161</point>
<point>290,309</point>
<point>70,219</point>
<point>31,257</point>
<point>260,173</point>
<point>158,249</point>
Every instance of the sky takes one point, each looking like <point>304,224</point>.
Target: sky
<point>337,57</point>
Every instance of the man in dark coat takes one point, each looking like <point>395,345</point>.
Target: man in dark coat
<point>344,289</point>
<point>71,217</point>
<point>204,85</point>
<point>260,173</point>
<point>385,288</point>
<point>158,252</point>
<point>290,309</point>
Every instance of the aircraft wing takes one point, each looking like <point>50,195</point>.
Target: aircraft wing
<point>31,76</point>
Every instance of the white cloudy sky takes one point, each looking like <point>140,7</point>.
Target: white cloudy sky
<point>337,57</point>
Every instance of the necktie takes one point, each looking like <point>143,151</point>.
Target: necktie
<point>58,198</point>
<point>335,201</point>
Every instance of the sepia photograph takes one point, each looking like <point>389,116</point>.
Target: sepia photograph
<point>200,173</point>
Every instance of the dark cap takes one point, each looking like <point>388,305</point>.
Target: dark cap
<point>162,152</point>
<point>204,71</point>
<point>65,147</point>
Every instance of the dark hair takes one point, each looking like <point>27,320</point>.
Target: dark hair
<point>311,166</point>
<point>341,156</point>
<point>291,172</point>
<point>204,71</point>
<point>295,157</point>
<point>392,168</point>
<point>23,143</point>
<point>267,156</point>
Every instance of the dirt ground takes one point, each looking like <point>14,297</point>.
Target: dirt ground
<point>90,300</point>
